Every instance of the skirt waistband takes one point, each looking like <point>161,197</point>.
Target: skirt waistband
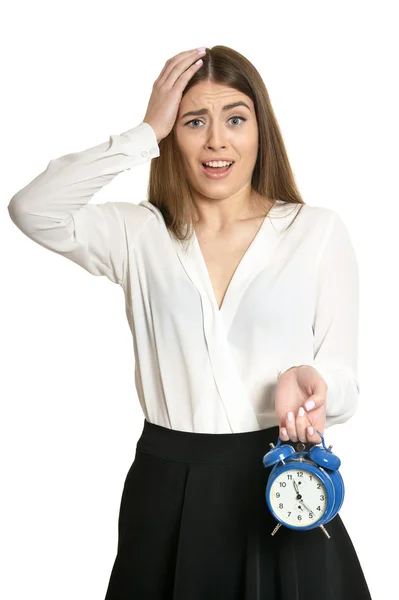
<point>186,446</point>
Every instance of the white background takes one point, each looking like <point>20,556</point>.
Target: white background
<point>73,74</point>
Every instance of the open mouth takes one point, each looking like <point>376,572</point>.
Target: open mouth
<point>216,171</point>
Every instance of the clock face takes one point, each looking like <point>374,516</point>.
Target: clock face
<point>298,497</point>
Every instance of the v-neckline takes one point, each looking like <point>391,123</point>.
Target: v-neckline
<point>237,270</point>
<point>255,260</point>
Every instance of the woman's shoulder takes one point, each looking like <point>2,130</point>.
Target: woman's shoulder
<point>136,216</point>
<point>313,212</point>
<point>307,215</point>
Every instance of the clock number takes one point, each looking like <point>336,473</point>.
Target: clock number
<point>300,473</point>
<point>289,513</point>
<point>310,515</point>
<point>277,494</point>
<point>318,486</point>
<point>318,508</point>
<point>282,484</point>
<point>311,477</point>
<point>299,517</point>
<point>321,497</point>
<point>281,505</point>
<point>289,476</point>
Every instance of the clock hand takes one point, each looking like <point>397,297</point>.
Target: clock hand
<point>299,497</point>
<point>306,506</point>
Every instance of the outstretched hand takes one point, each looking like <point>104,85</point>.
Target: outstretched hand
<point>295,388</point>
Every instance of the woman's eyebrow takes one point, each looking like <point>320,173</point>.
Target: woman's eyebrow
<point>205,111</point>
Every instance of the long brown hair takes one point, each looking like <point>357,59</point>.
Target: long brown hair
<point>272,176</point>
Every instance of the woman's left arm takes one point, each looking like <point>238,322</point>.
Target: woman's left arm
<point>336,322</point>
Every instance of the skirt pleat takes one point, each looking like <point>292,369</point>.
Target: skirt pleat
<point>194,525</point>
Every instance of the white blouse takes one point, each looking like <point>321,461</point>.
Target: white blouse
<point>292,300</point>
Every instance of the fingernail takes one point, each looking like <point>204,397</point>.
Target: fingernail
<point>309,405</point>
<point>199,61</point>
<point>290,416</point>
<point>284,432</point>
<point>310,430</point>
<point>301,412</point>
<point>201,50</point>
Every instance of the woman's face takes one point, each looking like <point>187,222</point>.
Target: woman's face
<point>216,132</point>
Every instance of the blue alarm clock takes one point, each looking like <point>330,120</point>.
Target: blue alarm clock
<point>305,489</point>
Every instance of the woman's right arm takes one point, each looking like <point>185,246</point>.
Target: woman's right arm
<point>54,210</point>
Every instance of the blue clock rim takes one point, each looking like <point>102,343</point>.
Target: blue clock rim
<point>322,474</point>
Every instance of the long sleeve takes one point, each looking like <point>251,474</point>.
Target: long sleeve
<point>54,211</point>
<point>336,322</point>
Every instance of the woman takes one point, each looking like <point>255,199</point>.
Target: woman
<point>243,306</point>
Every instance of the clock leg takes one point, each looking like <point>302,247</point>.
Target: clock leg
<point>276,528</point>
<point>325,531</point>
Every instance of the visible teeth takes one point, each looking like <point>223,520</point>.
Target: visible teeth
<point>220,163</point>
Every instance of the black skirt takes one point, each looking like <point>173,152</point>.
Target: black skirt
<point>194,525</point>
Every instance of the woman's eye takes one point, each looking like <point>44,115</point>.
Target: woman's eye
<point>240,118</point>
<point>199,121</point>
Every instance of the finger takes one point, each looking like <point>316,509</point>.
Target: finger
<point>312,435</point>
<point>283,434</point>
<point>176,69</point>
<point>170,63</point>
<point>301,424</point>
<point>318,396</point>
<point>314,401</point>
<point>185,77</point>
<point>291,427</point>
